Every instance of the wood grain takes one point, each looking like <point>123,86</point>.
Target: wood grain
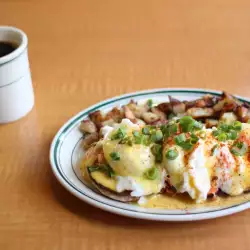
<point>84,51</point>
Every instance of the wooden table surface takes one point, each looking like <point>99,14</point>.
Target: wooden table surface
<point>82,52</point>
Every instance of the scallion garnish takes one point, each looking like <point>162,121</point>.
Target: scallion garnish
<point>232,135</point>
<point>239,148</point>
<point>146,130</point>
<point>103,168</point>
<point>237,126</point>
<point>224,127</point>
<point>126,140</point>
<point>198,125</point>
<point>137,137</point>
<point>194,138</point>
<point>146,140</point>
<point>202,134</point>
<point>215,133</point>
<point>157,136</point>
<point>186,145</point>
<point>156,150</point>
<point>150,103</point>
<point>152,173</point>
<point>187,123</point>
<point>115,156</point>
<point>169,130</point>
<point>180,138</point>
<point>172,154</point>
<point>222,136</point>
<point>119,134</point>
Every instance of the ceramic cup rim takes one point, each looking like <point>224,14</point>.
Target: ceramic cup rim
<point>21,47</point>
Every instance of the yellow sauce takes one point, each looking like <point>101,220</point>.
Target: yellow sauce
<point>183,201</point>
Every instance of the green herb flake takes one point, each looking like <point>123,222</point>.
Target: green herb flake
<point>103,168</point>
<point>222,136</point>
<point>152,173</point>
<point>180,138</point>
<point>150,103</point>
<point>172,154</point>
<point>119,134</point>
<point>115,156</point>
<point>146,130</point>
<point>237,125</point>
<point>156,150</point>
<point>187,123</point>
<point>239,148</point>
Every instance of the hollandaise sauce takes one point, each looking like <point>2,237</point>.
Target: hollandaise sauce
<point>183,201</point>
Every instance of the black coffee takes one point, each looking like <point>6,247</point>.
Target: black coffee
<point>6,48</point>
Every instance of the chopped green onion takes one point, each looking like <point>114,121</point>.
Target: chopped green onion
<point>136,133</point>
<point>194,139</point>
<point>150,103</point>
<point>239,148</point>
<point>186,145</point>
<point>137,137</point>
<point>115,156</point>
<point>187,123</point>
<point>172,154</point>
<point>152,173</point>
<point>222,137</point>
<point>224,127</point>
<point>202,134</point>
<point>120,134</point>
<point>232,135</point>
<point>138,140</point>
<point>180,138</point>
<point>214,148</point>
<point>237,126</point>
<point>156,150</point>
<point>146,140</point>
<point>169,130</point>
<point>215,133</point>
<point>103,168</point>
<point>126,140</point>
<point>198,125</point>
<point>94,168</point>
<point>157,136</point>
<point>146,131</point>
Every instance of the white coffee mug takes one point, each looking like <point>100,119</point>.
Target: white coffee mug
<point>16,91</point>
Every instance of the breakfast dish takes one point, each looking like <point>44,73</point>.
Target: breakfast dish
<point>200,148</point>
<point>160,154</point>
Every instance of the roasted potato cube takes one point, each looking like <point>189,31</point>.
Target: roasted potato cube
<point>159,113</point>
<point>165,107</point>
<point>200,112</point>
<point>228,117</point>
<point>150,117</point>
<point>129,114</point>
<point>211,123</point>
<point>97,118</point>
<point>88,126</point>
<point>115,114</point>
<point>179,108</point>
<point>89,139</point>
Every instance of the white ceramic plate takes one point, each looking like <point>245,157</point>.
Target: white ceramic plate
<point>66,152</point>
